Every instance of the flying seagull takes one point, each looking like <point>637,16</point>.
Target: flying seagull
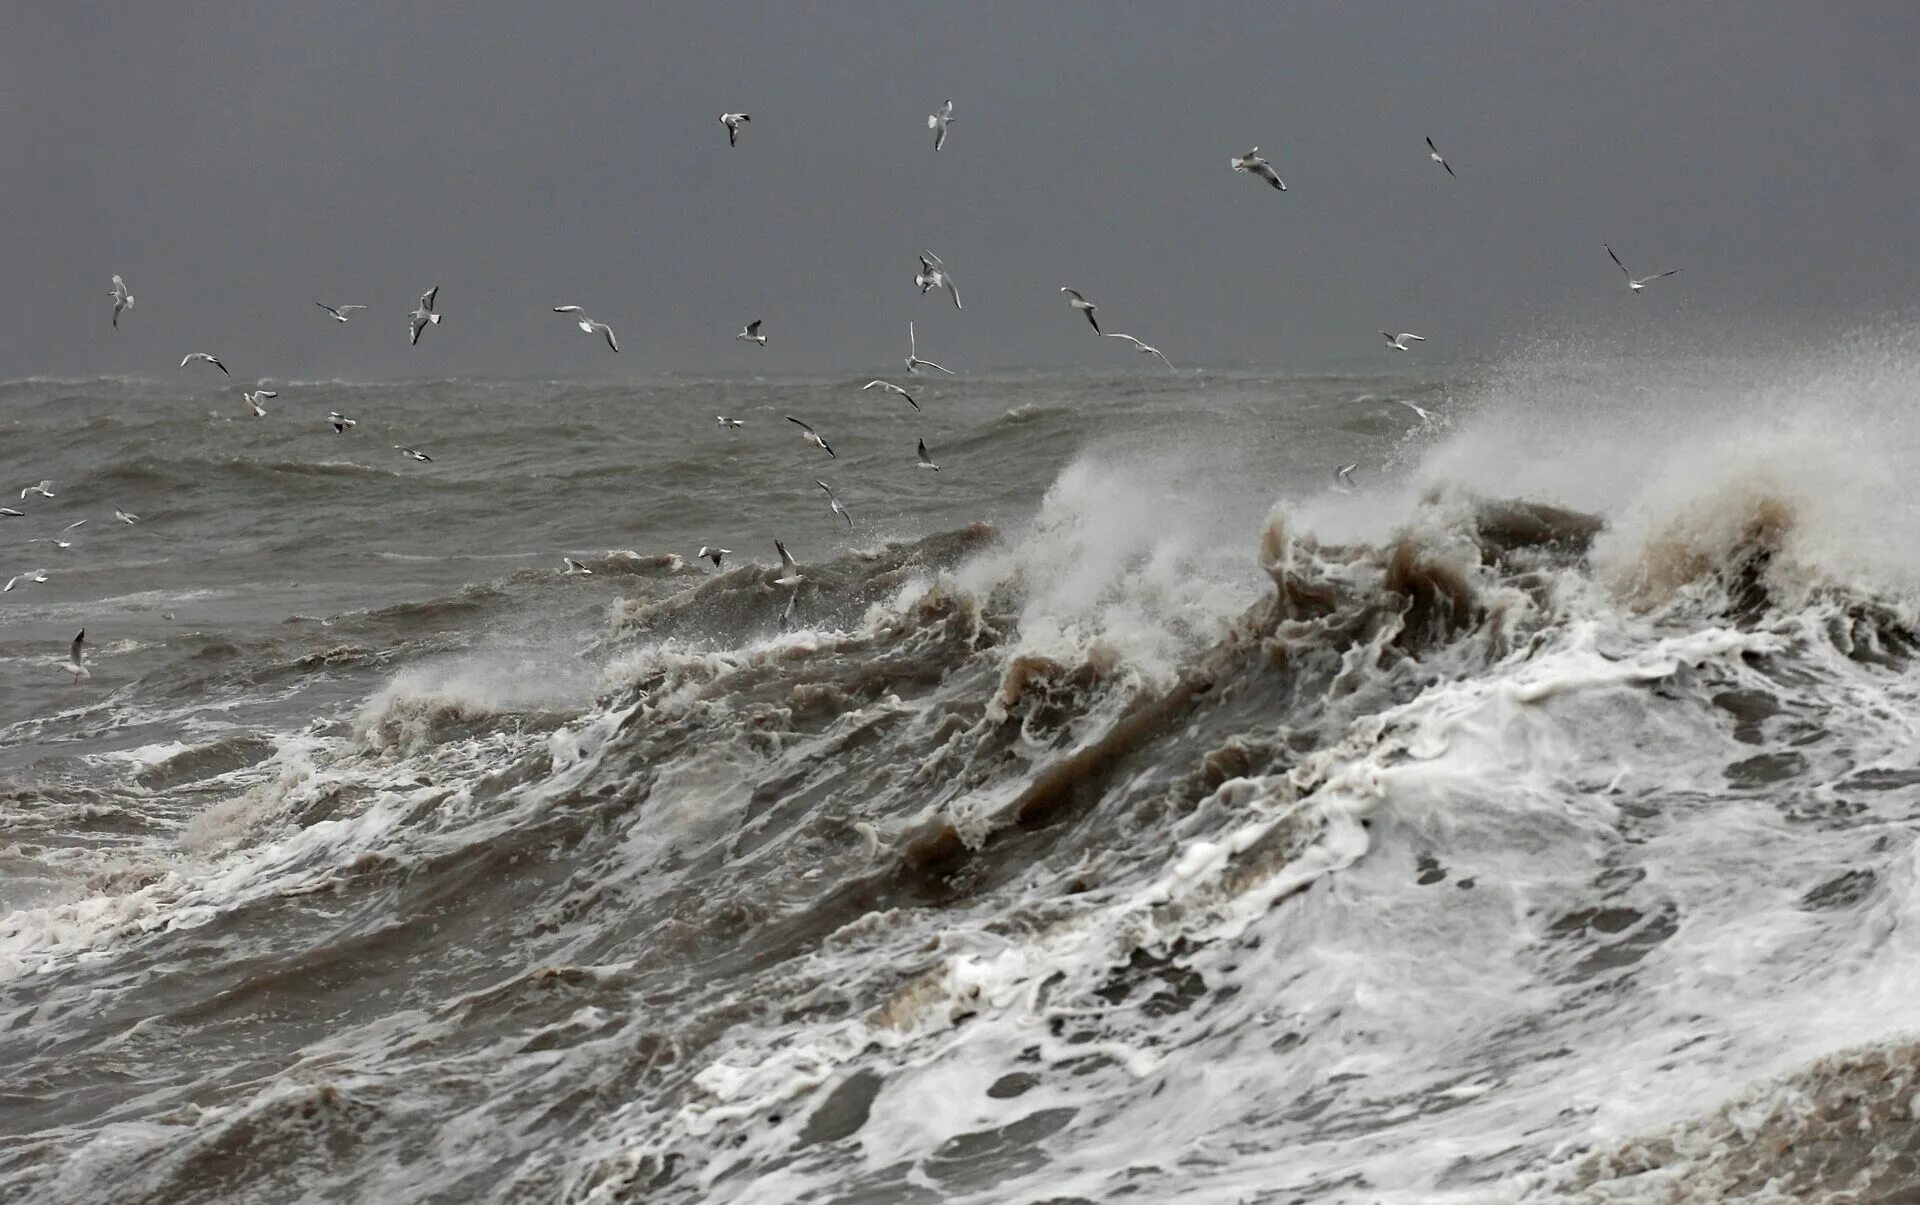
<point>127,517</point>
<point>122,300</point>
<point>410,454</point>
<point>44,489</point>
<point>790,575</point>
<point>340,422</point>
<point>913,358</point>
<point>1633,284</point>
<point>36,577</point>
<point>752,333</point>
<point>1433,153</point>
<point>890,388</point>
<point>834,503</point>
<point>587,324</point>
<point>937,122</point>
<point>74,524</point>
<point>731,424</point>
<point>76,664</point>
<point>339,312</point>
<point>253,399</point>
<point>424,314</point>
<point>1144,349</point>
<point>926,461</point>
<point>733,122</point>
<point>712,554</point>
<point>1083,305</point>
<point>1252,162</point>
<point>1399,342</point>
<point>575,568</point>
<point>1426,415</point>
<point>1343,476</point>
<point>811,436</point>
<point>934,274</point>
<point>8,512</point>
<point>200,355</point>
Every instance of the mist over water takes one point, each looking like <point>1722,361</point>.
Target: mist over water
<point>1124,810</point>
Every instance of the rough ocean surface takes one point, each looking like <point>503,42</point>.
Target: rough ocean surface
<point>1123,813</point>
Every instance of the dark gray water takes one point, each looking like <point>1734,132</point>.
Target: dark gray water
<point>1121,811</point>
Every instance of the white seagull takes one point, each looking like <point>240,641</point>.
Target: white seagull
<point>1433,153</point>
<point>122,300</point>
<point>731,424</point>
<point>1252,162</point>
<point>254,398</point>
<point>811,436</point>
<point>914,361</point>
<point>733,122</point>
<point>1343,476</point>
<point>1086,307</point>
<point>76,664</point>
<point>834,503</point>
<point>1636,284</point>
<point>340,422</point>
<point>410,454</point>
<point>1399,342</point>
<point>200,355</point>
<point>937,122</point>
<point>56,541</point>
<point>575,568</point>
<point>790,575</point>
<point>1144,349</point>
<point>934,274</point>
<point>339,312</point>
<point>1426,415</point>
<point>7,512</point>
<point>751,333</point>
<point>926,461</point>
<point>424,314</point>
<point>36,577</point>
<point>587,324</point>
<point>891,388</point>
<point>127,517</point>
<point>712,554</point>
<point>44,489</point>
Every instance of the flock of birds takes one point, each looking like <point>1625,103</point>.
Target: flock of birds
<point>933,274</point>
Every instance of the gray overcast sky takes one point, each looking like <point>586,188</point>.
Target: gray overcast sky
<point>237,162</point>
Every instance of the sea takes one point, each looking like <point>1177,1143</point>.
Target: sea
<point>1129,810</point>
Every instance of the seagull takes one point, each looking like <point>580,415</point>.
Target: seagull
<point>74,524</point>
<point>56,541</point>
<point>890,388</point>
<point>126,517</point>
<point>752,333</point>
<point>790,575</point>
<point>122,300</point>
<point>339,312</point>
<point>75,658</point>
<point>1641,283</point>
<point>1426,415</point>
<point>253,399</point>
<point>423,314</point>
<point>1144,348</point>
<point>200,355</point>
<point>1399,343</point>
<point>44,489</point>
<point>1433,153</point>
<point>913,359</point>
<point>340,422</point>
<point>926,461</point>
<point>7,512</point>
<point>1343,476</point>
<point>411,454</point>
<point>1252,162</point>
<point>1083,305</point>
<point>835,503</point>
<point>587,324</point>
<point>733,122</point>
<point>811,436</point>
<point>937,122</point>
<point>712,554</point>
<point>35,577</point>
<point>731,424</point>
<point>933,274</point>
<point>575,568</point>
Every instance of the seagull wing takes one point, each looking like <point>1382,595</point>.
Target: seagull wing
<point>1616,261</point>
<point>823,485</point>
<point>568,309</point>
<point>1128,338</point>
<point>753,328</point>
<point>1668,272</point>
<point>786,558</point>
<point>79,647</point>
<point>1266,172</point>
<point>803,426</point>
<point>1414,337</point>
<point>329,309</point>
<point>419,324</point>
<point>426,298</point>
<point>606,330</point>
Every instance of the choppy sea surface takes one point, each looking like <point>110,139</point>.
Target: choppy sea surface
<point>1124,811</point>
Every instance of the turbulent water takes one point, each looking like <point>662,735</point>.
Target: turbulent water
<point>1123,811</point>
